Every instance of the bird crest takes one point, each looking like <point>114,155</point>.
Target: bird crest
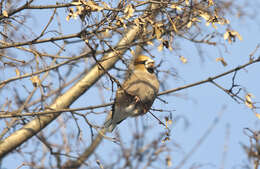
<point>141,59</point>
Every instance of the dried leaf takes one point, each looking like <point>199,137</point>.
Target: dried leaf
<point>35,81</point>
<point>80,10</point>
<point>206,16</point>
<point>210,2</point>
<point>158,31</point>
<point>165,139</point>
<point>168,161</point>
<point>191,21</point>
<point>93,6</point>
<point>239,37</point>
<point>226,35</point>
<point>168,121</point>
<point>5,13</point>
<point>174,6</point>
<point>132,52</point>
<point>160,47</point>
<point>68,18</point>
<point>221,59</point>
<point>189,24</point>
<point>129,11</point>
<point>17,72</point>
<point>106,34</point>
<point>183,59</point>
<point>214,26</point>
<point>150,43</point>
<point>257,115</point>
<point>231,36</point>
<point>248,101</point>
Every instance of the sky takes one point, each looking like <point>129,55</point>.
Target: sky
<point>199,105</point>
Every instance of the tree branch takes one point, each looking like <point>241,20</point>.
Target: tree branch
<point>210,78</point>
<point>65,100</point>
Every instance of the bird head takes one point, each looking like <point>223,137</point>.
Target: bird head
<point>144,62</point>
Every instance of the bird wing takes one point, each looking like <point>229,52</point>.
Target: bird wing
<point>140,84</point>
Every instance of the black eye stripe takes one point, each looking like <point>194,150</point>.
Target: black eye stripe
<point>140,62</point>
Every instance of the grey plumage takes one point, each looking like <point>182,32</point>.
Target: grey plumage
<point>137,94</point>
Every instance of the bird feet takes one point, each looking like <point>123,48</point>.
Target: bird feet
<point>137,99</point>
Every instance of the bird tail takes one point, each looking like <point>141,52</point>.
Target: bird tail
<point>109,125</point>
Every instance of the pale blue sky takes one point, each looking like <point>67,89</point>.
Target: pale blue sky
<point>199,105</point>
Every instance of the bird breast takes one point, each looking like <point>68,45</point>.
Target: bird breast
<point>145,86</point>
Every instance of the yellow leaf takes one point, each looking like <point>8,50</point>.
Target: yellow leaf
<point>160,47</point>
<point>106,34</point>
<point>189,24</point>
<point>239,37</point>
<point>80,10</point>
<point>17,72</point>
<point>231,36</point>
<point>168,121</point>
<point>187,2</point>
<point>248,97</point>
<point>227,21</point>
<point>183,59</point>
<point>214,26</point>
<point>35,81</point>
<point>132,52</point>
<point>93,6</point>
<point>205,16</point>
<point>75,15</point>
<point>210,2</point>
<point>137,22</point>
<point>129,11</point>
<point>165,139</point>
<point>226,35</point>
<point>195,20</point>
<point>5,13</point>
<point>174,6</point>
<point>248,100</point>
<point>257,115</point>
<point>158,32</point>
<point>168,161</point>
<point>68,18</point>
<point>150,43</point>
<point>221,59</point>
<point>191,21</point>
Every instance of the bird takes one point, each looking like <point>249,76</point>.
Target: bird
<point>137,93</point>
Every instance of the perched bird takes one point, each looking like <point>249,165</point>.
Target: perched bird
<point>137,94</point>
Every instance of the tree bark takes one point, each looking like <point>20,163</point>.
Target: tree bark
<point>64,101</point>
